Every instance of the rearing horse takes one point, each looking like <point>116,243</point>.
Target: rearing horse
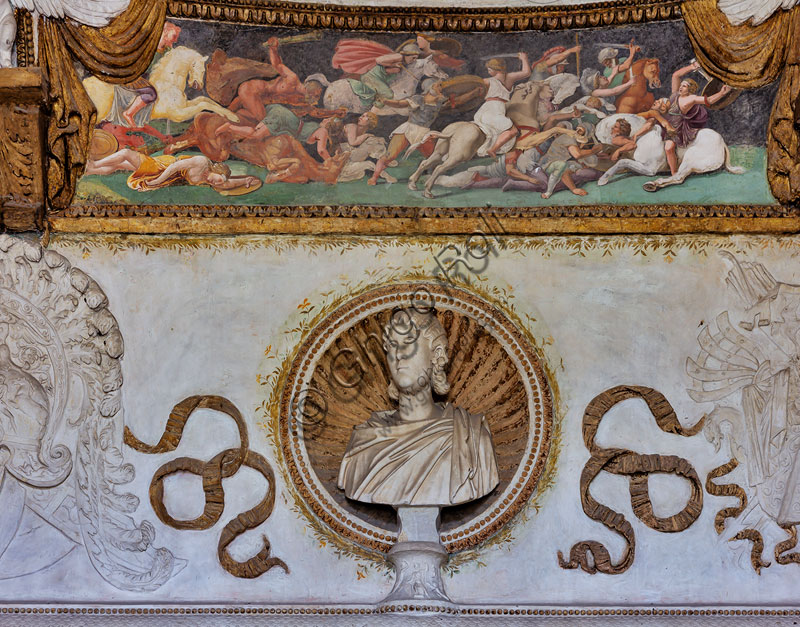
<point>170,75</point>
<point>637,97</point>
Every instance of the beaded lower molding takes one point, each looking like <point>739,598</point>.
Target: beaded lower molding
<point>352,611</point>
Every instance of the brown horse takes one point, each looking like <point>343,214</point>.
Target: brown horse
<point>284,156</point>
<point>637,98</point>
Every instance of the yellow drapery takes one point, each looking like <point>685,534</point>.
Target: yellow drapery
<point>750,56</point>
<point>117,53</point>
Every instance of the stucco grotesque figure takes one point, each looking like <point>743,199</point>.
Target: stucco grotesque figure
<point>24,410</point>
<point>61,421</point>
<point>25,449</point>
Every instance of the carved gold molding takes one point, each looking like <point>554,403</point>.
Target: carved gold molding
<point>367,211</point>
<point>22,145</point>
<point>374,18</point>
<point>24,43</point>
<point>393,220</point>
<point>314,15</point>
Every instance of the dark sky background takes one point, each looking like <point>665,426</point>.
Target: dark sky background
<point>743,122</point>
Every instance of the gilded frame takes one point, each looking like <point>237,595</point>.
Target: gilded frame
<point>379,220</point>
<point>369,220</point>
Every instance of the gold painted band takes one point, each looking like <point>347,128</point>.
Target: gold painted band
<point>423,226</point>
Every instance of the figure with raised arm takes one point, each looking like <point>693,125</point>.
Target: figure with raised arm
<point>491,117</point>
<point>687,112</point>
<point>615,70</point>
<point>254,95</point>
<point>552,62</point>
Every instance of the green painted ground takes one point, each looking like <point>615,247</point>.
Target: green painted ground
<point>750,188</point>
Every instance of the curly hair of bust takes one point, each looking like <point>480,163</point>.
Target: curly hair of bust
<point>422,324</point>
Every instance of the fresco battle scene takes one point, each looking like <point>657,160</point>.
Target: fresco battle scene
<point>231,114</point>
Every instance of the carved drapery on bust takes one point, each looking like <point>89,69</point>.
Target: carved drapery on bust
<point>750,56</point>
<point>423,453</point>
<point>448,461</point>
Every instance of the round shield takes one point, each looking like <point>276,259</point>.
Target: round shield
<point>442,45</point>
<point>712,87</point>
<point>446,45</point>
<point>460,85</point>
<point>102,145</point>
<point>241,190</point>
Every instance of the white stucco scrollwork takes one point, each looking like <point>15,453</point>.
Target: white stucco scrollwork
<point>61,422</point>
<point>88,12</point>
<point>740,11</point>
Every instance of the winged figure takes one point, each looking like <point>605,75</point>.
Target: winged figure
<point>756,370</point>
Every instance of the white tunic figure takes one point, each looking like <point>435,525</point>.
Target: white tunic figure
<point>423,453</point>
<point>491,117</point>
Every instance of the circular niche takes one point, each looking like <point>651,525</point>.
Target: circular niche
<point>340,376</point>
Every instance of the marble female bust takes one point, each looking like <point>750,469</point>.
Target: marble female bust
<point>423,453</point>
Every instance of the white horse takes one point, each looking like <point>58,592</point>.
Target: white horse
<point>340,94</point>
<point>459,142</point>
<point>456,144</point>
<point>706,153</point>
<point>169,77</point>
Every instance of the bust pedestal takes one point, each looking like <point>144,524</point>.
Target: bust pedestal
<point>417,557</point>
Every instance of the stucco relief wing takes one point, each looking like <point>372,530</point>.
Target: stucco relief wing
<point>727,362</point>
<point>740,11</point>
<point>89,12</point>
